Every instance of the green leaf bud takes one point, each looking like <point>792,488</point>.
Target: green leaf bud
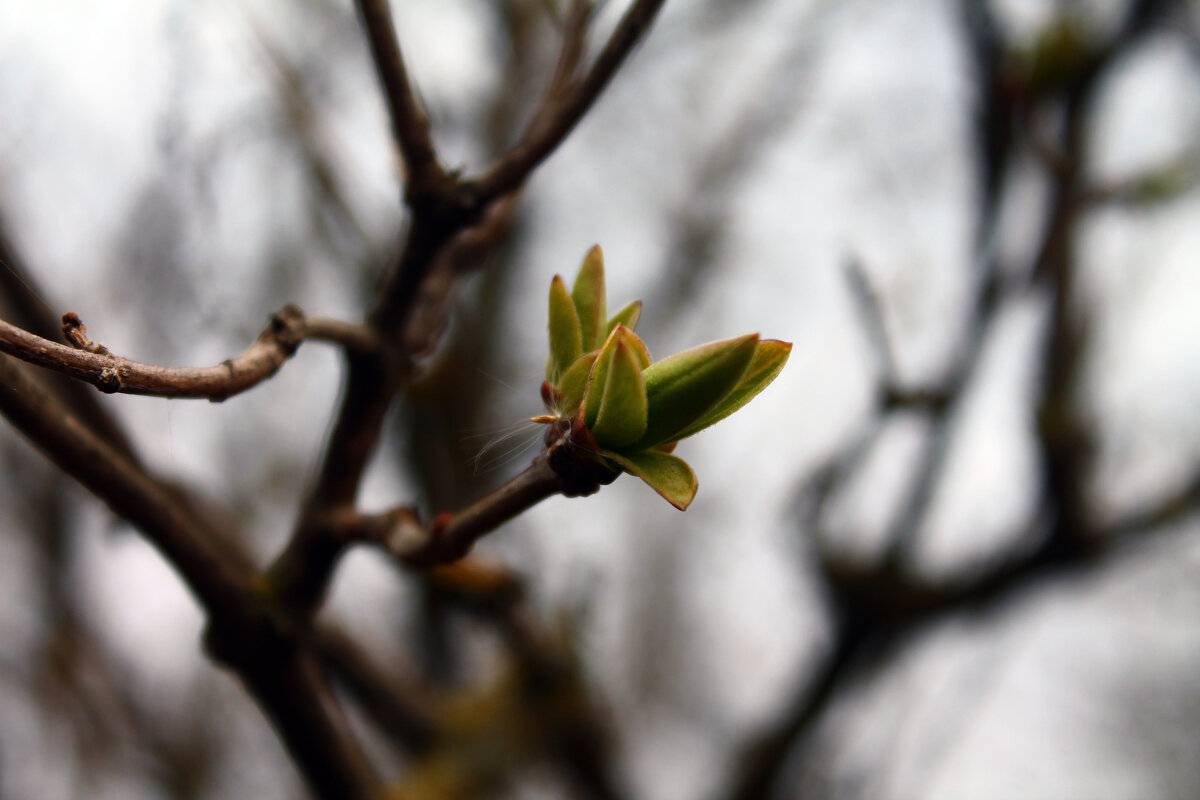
<point>627,316</point>
<point>566,334</point>
<point>574,384</point>
<point>590,301</point>
<point>684,387</point>
<point>598,380</point>
<point>768,361</point>
<point>666,474</point>
<point>627,412</point>
<point>621,419</point>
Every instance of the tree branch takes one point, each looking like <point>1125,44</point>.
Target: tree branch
<point>218,578</point>
<point>446,215</point>
<point>548,130</point>
<point>449,537</point>
<point>287,683</point>
<point>410,125</point>
<point>23,304</point>
<point>243,630</point>
<point>866,302</point>
<point>93,363</point>
<point>302,571</point>
<point>401,710</point>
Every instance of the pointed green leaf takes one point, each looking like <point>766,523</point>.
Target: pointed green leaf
<point>574,383</point>
<point>566,335</point>
<point>640,352</point>
<point>668,475</point>
<point>684,387</point>
<point>622,416</point>
<point>768,361</point>
<point>590,301</point>
<point>627,316</point>
<point>598,379</point>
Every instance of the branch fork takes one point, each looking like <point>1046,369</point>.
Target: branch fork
<point>448,212</point>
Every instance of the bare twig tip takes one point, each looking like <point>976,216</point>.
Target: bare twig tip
<point>75,332</point>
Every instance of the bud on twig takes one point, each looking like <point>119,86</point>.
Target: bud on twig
<point>625,411</point>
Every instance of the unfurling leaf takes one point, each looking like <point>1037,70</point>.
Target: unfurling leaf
<point>768,361</point>
<point>627,316</point>
<point>574,383</point>
<point>590,300</point>
<point>566,334</point>
<point>683,387</point>
<point>621,420</point>
<point>627,413</point>
<point>598,380</point>
<point>666,474</point>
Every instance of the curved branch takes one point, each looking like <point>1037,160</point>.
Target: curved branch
<point>397,705</point>
<point>109,373</point>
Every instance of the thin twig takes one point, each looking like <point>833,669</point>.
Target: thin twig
<point>570,58</point>
<point>93,363</point>
<point>450,536</point>
<point>302,571</point>
<point>23,303</point>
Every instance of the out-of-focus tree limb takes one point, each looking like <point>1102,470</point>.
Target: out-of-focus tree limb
<point>882,605</point>
<point>283,680</point>
<point>401,709</point>
<point>770,103</point>
<point>549,128</point>
<point>410,124</point>
<point>217,578</point>
<point>573,729</point>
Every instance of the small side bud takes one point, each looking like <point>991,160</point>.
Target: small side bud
<point>109,380</point>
